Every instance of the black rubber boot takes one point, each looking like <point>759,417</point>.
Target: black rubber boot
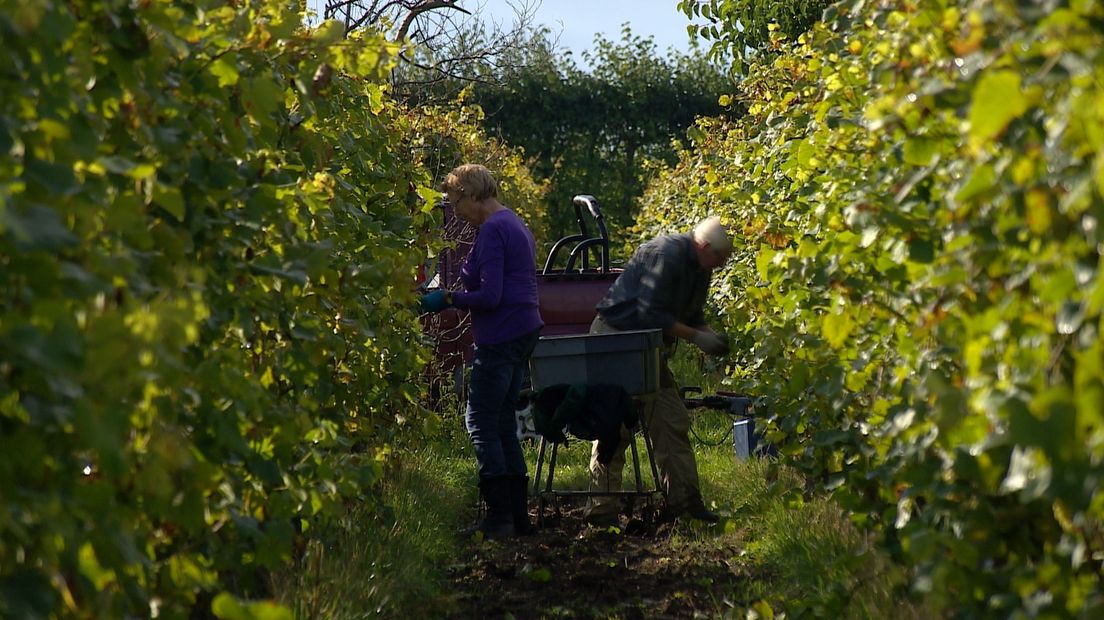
<point>519,506</point>
<point>499,521</point>
<point>697,510</point>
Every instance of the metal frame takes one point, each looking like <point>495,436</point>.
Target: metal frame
<point>544,495</point>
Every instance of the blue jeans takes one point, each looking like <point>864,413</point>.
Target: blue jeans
<point>496,376</point>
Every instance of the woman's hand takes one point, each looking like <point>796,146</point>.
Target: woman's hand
<point>436,301</point>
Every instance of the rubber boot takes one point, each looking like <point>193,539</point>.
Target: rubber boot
<point>698,511</point>
<point>499,521</point>
<point>519,506</point>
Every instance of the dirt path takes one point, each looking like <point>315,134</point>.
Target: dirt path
<point>571,570</point>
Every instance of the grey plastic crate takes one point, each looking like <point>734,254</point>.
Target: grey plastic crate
<point>630,359</point>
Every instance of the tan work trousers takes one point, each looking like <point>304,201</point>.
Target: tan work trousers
<point>668,423</point>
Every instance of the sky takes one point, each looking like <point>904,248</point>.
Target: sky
<point>577,21</point>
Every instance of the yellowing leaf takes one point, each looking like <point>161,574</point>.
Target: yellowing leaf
<point>226,607</point>
<point>997,100</point>
<point>226,70</point>
<point>91,568</point>
<point>836,328</point>
<point>329,31</point>
<point>951,18</point>
<point>1037,204</point>
<point>761,609</point>
<point>920,151</point>
<point>53,130</point>
<point>540,575</point>
<point>1023,170</point>
<point>142,171</point>
<point>856,381</point>
<point>763,260</point>
<point>980,181</point>
<point>806,155</point>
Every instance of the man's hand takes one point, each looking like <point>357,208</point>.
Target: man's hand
<point>435,301</point>
<point>710,342</point>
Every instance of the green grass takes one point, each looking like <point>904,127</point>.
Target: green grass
<point>391,560</point>
<point>801,555</point>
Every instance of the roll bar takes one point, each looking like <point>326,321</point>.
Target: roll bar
<point>584,242</point>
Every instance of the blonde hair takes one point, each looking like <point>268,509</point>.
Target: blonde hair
<point>711,231</point>
<point>471,180</point>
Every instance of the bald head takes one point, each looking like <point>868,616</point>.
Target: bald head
<point>710,231</point>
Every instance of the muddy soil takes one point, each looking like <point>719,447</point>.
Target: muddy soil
<point>572,570</point>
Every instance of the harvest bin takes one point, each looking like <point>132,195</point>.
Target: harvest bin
<point>630,359</point>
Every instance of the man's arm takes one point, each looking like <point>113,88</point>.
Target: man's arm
<point>681,330</point>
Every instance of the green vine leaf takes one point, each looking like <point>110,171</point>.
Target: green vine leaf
<point>997,100</point>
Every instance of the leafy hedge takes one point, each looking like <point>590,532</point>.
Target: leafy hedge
<point>919,188</point>
<point>442,137</point>
<point>208,236</point>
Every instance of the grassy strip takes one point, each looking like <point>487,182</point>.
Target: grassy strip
<point>797,555</point>
<point>800,556</point>
<point>390,560</point>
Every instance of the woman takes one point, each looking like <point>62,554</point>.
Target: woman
<point>499,278</point>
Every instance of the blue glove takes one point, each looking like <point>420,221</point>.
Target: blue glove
<point>435,301</point>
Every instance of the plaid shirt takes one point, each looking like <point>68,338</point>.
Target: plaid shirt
<point>662,283</point>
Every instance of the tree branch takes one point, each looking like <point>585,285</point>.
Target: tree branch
<point>427,5</point>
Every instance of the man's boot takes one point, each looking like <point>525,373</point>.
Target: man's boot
<point>519,505</point>
<point>697,510</point>
<point>499,520</point>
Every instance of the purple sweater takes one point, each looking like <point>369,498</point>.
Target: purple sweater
<point>500,280</point>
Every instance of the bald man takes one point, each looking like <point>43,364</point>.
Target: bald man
<point>664,286</point>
